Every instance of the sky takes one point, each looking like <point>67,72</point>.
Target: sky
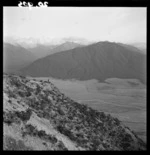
<point>118,24</point>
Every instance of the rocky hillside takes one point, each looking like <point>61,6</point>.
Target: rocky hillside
<point>37,116</point>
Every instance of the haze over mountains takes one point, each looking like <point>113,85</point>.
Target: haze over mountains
<point>16,57</point>
<point>100,61</point>
<point>45,41</point>
<point>44,50</point>
<point>137,47</point>
<point>141,46</point>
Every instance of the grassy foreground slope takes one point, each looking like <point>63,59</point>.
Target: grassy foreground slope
<point>122,98</point>
<point>37,116</point>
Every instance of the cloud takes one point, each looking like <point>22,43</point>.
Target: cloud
<point>100,23</point>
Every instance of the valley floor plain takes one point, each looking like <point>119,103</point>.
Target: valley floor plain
<point>122,98</point>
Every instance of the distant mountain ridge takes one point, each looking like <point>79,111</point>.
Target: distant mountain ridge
<point>100,61</point>
<point>45,41</point>
<point>15,57</point>
<point>141,46</point>
<point>135,48</point>
<point>45,50</point>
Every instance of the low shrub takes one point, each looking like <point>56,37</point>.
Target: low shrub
<point>61,146</point>
<point>60,111</point>
<point>24,116</point>
<point>30,128</point>
<point>117,122</point>
<point>41,133</point>
<point>66,132</point>
<point>11,94</point>
<point>53,139</point>
<point>10,118</point>
<point>125,145</point>
<point>21,93</point>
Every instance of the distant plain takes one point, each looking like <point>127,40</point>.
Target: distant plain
<point>122,98</point>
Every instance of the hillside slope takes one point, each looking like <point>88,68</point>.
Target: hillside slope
<point>41,50</point>
<point>135,48</point>
<point>44,50</point>
<point>141,46</point>
<point>15,57</point>
<point>37,116</point>
<point>97,61</point>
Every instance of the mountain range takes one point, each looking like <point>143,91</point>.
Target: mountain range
<point>100,61</point>
<point>141,46</point>
<point>44,50</point>
<point>15,57</point>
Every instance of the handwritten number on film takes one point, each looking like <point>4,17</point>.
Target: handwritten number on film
<point>29,4</point>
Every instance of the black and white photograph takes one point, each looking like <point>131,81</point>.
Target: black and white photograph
<point>74,78</point>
